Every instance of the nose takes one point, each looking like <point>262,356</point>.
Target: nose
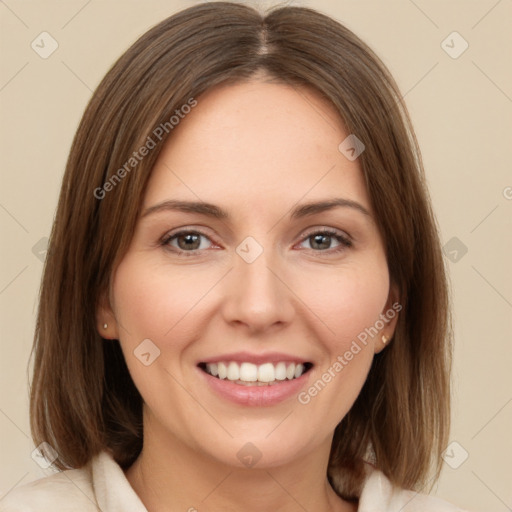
<point>258,295</point>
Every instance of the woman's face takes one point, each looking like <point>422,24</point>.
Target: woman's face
<point>289,317</point>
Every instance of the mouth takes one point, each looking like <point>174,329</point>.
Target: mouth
<point>250,374</point>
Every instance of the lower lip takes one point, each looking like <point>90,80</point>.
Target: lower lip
<point>255,396</point>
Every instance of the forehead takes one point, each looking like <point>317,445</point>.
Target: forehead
<point>256,145</point>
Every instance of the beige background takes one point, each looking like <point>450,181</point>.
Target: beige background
<point>462,111</point>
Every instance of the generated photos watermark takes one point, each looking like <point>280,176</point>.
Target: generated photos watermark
<point>304,397</point>
<point>137,156</point>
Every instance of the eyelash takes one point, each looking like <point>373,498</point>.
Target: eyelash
<point>343,240</point>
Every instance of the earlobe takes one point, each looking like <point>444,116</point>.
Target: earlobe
<point>383,340</point>
<point>389,318</point>
<point>106,324</point>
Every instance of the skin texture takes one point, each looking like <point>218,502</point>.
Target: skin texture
<point>257,150</point>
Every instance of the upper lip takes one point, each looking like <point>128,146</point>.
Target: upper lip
<point>248,357</point>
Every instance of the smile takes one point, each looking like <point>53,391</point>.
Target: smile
<point>250,374</point>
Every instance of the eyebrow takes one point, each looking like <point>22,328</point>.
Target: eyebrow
<point>211,210</point>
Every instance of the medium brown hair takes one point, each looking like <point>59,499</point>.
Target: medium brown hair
<point>83,399</point>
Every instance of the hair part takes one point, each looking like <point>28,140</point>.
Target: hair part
<point>83,399</point>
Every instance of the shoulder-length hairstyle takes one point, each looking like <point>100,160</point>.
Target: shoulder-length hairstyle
<point>83,399</point>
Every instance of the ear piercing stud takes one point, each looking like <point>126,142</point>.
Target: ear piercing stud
<point>105,326</point>
<point>384,339</point>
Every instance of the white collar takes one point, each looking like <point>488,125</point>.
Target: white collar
<point>115,494</point>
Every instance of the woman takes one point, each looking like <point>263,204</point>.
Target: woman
<point>244,305</point>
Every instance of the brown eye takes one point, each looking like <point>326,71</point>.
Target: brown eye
<point>190,241</point>
<point>321,241</point>
<point>185,241</point>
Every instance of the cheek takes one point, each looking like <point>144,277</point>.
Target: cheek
<point>154,301</point>
<point>157,303</point>
<point>349,305</point>
<point>349,301</point>
<point>165,305</point>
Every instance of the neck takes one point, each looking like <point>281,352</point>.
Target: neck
<point>171,476</point>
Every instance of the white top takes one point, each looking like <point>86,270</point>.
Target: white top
<point>102,486</point>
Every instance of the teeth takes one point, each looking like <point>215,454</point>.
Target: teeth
<point>223,371</point>
<point>266,373</point>
<point>280,371</point>
<point>233,371</point>
<point>214,370</point>
<point>248,372</point>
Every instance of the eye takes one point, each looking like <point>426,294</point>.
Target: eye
<point>190,241</point>
<point>320,241</point>
<point>185,241</point>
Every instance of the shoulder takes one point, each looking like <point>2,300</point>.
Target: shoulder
<point>379,494</point>
<point>70,490</point>
<point>100,486</point>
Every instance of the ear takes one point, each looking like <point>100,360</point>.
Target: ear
<point>389,319</point>
<point>105,317</point>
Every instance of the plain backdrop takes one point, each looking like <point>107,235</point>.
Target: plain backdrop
<point>460,100</point>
